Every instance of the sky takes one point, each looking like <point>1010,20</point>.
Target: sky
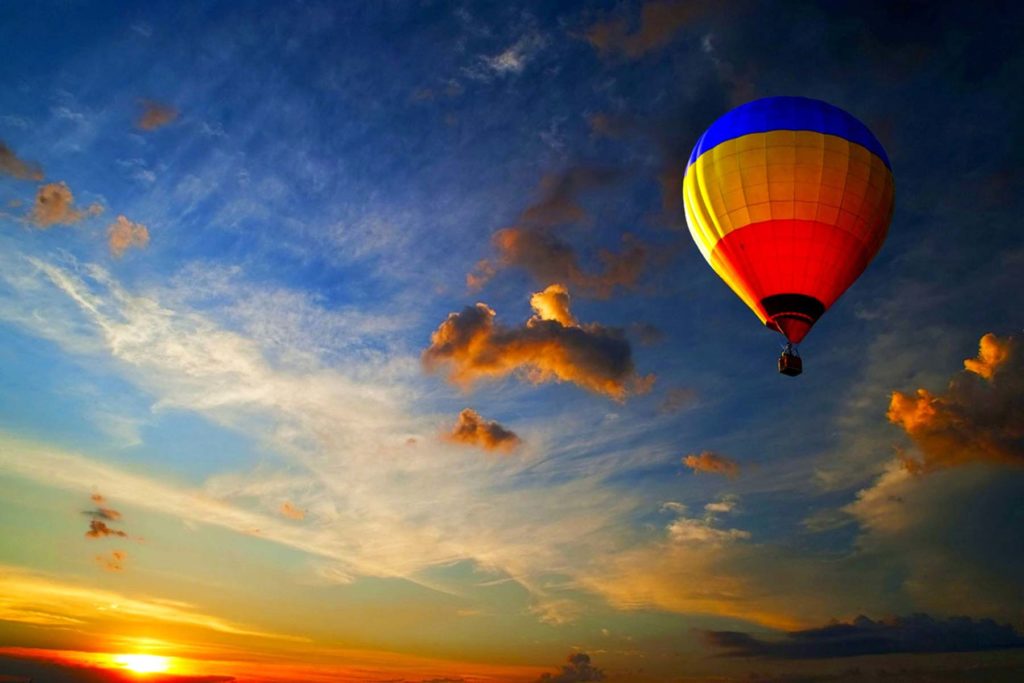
<point>367,342</point>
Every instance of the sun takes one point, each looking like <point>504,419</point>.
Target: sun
<point>143,664</point>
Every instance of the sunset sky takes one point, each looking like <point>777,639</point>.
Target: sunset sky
<point>366,341</point>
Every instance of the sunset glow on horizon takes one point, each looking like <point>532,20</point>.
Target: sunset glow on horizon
<point>142,664</point>
<point>596,341</point>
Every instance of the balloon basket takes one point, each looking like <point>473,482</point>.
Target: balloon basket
<point>790,363</point>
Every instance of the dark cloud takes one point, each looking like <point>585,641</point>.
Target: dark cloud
<point>55,205</point>
<point>99,529</point>
<point>155,115</point>
<point>980,416</point>
<point>577,669</point>
<point>534,245</point>
<point>712,463</point>
<point>13,166</point>
<point>123,234</point>
<point>54,670</point>
<point>472,346</point>
<point>473,430</point>
<point>659,23</point>
<point>919,633</point>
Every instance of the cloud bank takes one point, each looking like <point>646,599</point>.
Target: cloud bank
<point>918,633</point>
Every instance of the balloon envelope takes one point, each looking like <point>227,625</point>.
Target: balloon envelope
<point>789,199</point>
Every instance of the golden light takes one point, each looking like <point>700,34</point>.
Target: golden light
<point>143,664</point>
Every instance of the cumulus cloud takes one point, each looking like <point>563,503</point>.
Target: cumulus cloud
<point>577,669</point>
<point>919,633</point>
<point>659,23</point>
<point>993,352</point>
<point>692,530</point>
<point>289,510</point>
<point>155,115</point>
<point>723,504</point>
<point>13,166</point>
<point>99,529</point>
<point>472,346</point>
<point>712,463</point>
<point>553,304</point>
<point>124,234</point>
<point>979,417</point>
<point>474,430</point>
<point>534,245</point>
<point>55,205</point>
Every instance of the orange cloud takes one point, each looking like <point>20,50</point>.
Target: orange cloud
<point>712,463</point>
<point>114,562</point>
<point>474,430</point>
<point>13,166</point>
<point>980,416</point>
<point>659,22</point>
<point>102,512</point>
<point>56,205</point>
<point>292,512</point>
<point>99,529</point>
<point>553,304</point>
<point>124,234</point>
<point>155,115</point>
<point>533,245</point>
<point>472,346</point>
<point>992,353</point>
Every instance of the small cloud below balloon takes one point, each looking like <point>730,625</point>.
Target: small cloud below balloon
<point>124,234</point>
<point>550,347</point>
<point>473,430</point>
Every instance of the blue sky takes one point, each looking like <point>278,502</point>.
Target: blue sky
<point>324,179</point>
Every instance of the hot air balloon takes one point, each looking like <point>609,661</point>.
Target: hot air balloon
<point>789,199</point>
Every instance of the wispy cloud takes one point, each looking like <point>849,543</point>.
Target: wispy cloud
<point>155,115</point>
<point>112,561</point>
<point>511,61</point>
<point>289,510</point>
<point>35,598</point>
<point>660,20</point>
